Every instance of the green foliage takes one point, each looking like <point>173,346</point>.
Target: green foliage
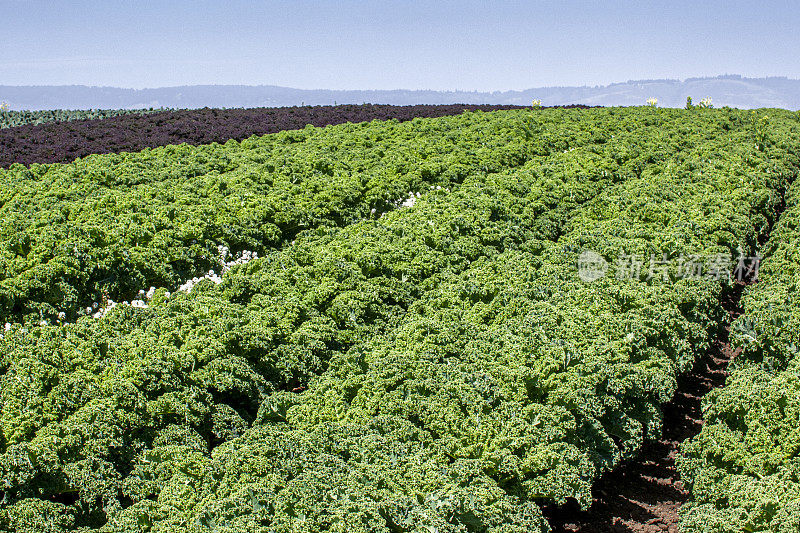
<point>743,467</point>
<point>761,129</point>
<point>437,368</point>
<point>689,104</point>
<point>107,226</point>
<point>10,119</point>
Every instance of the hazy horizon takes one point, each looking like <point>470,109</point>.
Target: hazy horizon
<point>408,89</point>
<point>730,90</point>
<point>356,45</point>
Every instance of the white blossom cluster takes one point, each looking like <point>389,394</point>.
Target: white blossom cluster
<point>413,196</point>
<point>225,260</point>
<point>96,310</point>
<point>411,200</point>
<point>707,103</point>
<point>99,312</point>
<point>210,275</point>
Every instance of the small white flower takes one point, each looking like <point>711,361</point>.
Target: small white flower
<point>410,201</point>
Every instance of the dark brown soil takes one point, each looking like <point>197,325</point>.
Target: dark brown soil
<point>644,495</point>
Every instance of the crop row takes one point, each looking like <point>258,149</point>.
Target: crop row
<point>744,466</point>
<point>66,141</point>
<point>284,317</point>
<point>513,382</point>
<point>11,119</point>
<point>441,366</point>
<point>106,226</point>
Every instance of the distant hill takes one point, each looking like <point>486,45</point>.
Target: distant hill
<point>730,90</point>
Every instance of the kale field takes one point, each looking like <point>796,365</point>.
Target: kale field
<point>61,137</point>
<point>400,319</point>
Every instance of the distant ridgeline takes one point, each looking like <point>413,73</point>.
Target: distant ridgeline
<point>729,90</point>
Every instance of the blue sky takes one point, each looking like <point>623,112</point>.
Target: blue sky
<point>390,44</point>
